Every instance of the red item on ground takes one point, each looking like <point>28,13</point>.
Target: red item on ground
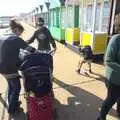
<point>40,108</point>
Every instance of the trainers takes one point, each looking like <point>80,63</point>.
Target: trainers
<point>78,71</point>
<point>85,73</point>
<point>90,71</point>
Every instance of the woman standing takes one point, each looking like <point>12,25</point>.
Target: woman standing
<point>9,65</point>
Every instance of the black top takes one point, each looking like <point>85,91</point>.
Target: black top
<point>44,38</point>
<point>9,54</point>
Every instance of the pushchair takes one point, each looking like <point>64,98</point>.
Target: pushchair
<point>37,68</point>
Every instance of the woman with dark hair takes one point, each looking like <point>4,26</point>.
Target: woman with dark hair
<point>9,64</point>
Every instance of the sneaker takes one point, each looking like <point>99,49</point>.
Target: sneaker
<point>90,71</point>
<point>85,73</point>
<point>78,71</point>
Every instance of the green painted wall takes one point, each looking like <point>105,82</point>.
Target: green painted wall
<point>70,17</point>
<point>58,33</point>
<point>54,3</point>
<point>76,16</point>
<point>61,19</point>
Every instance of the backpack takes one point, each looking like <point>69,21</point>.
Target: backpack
<point>37,71</point>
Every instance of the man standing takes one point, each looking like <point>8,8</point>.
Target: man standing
<point>43,37</point>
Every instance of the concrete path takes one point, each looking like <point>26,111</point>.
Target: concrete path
<point>78,97</point>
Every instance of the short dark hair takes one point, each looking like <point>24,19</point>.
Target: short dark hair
<point>40,19</point>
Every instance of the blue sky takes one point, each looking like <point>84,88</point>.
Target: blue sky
<point>14,7</point>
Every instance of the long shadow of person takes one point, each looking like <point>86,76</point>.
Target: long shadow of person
<point>94,75</point>
<point>82,106</point>
<point>98,76</point>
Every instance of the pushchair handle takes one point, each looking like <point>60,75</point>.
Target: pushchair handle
<point>50,52</point>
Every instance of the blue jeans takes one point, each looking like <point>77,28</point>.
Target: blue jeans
<point>14,87</point>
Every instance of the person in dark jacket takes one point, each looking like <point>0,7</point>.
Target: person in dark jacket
<point>112,73</point>
<point>9,64</point>
<point>43,37</point>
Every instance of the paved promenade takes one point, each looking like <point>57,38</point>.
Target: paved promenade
<point>77,97</point>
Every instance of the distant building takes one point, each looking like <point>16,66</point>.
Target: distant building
<point>4,21</point>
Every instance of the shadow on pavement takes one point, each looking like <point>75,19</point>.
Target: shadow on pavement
<point>82,106</point>
<point>20,116</point>
<point>95,76</point>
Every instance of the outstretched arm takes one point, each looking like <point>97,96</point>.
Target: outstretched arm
<point>32,38</point>
<point>52,41</point>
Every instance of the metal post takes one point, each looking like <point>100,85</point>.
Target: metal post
<point>62,3</point>
<point>113,16</point>
<point>94,22</point>
<point>41,8</point>
<point>110,18</point>
<point>48,8</point>
<point>81,24</point>
<point>101,15</point>
<point>48,19</point>
<point>36,16</point>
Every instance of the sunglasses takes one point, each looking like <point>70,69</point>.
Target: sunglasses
<point>40,23</point>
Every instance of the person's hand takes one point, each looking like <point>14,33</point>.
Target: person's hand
<point>53,51</point>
